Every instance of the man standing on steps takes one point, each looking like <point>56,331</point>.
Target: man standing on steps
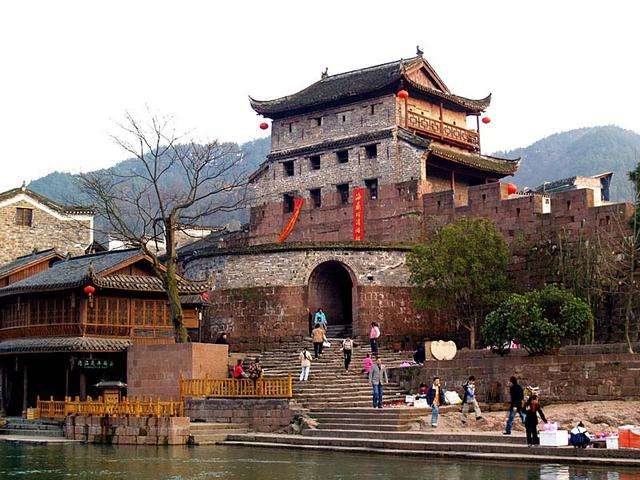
<point>317,336</point>
<point>320,319</point>
<point>378,377</point>
<point>435,398</point>
<point>347,347</point>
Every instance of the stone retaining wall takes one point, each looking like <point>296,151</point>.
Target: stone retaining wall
<point>128,430</point>
<point>577,373</point>
<point>261,415</point>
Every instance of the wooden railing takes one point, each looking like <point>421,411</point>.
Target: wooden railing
<point>164,333</point>
<point>417,119</point>
<point>60,409</point>
<point>264,387</point>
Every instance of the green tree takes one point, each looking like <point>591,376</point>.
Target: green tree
<point>539,320</point>
<point>461,268</point>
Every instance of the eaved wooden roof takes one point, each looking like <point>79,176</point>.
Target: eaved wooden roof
<point>99,269</point>
<point>26,261</point>
<point>384,78</point>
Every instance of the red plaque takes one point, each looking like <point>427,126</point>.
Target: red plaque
<point>358,214</point>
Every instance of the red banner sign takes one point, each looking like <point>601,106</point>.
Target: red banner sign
<point>358,214</point>
<point>297,206</point>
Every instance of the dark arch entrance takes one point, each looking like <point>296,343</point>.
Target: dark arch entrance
<point>331,287</point>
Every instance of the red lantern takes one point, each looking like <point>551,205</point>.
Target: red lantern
<point>403,94</point>
<point>486,120</point>
<point>89,290</point>
<point>264,126</point>
<point>511,189</point>
<point>205,296</point>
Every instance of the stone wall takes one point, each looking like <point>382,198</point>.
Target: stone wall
<point>274,266</point>
<point>155,370</point>
<point>577,373</point>
<point>128,430</point>
<point>48,229</point>
<point>261,415</point>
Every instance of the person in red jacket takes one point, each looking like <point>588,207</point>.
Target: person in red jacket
<point>238,371</point>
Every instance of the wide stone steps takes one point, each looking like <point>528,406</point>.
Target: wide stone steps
<point>377,427</point>
<point>32,428</point>
<point>464,447</point>
<point>201,433</point>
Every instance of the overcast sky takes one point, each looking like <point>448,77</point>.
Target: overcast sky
<point>69,70</point>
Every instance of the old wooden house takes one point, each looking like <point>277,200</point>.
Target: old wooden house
<point>67,326</point>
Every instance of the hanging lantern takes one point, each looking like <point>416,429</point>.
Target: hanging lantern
<point>403,94</point>
<point>89,290</point>
<point>511,189</point>
<point>205,296</point>
<point>264,126</point>
<point>486,120</point>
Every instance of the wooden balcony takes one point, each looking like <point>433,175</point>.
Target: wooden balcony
<point>417,119</point>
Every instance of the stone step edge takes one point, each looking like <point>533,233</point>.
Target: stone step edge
<point>508,457</point>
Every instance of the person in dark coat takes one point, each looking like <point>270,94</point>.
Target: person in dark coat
<point>532,409</point>
<point>435,399</point>
<point>516,394</point>
<point>222,339</point>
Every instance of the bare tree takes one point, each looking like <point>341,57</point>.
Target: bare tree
<point>172,185</point>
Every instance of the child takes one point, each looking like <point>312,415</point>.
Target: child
<point>367,363</point>
<point>422,391</point>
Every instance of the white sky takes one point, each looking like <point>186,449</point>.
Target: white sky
<point>69,70</point>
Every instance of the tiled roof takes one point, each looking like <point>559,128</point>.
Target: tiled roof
<point>331,144</point>
<point>25,260</point>
<point>147,283</point>
<point>354,84</point>
<point>77,271</point>
<point>68,209</point>
<point>501,166</point>
<point>64,344</point>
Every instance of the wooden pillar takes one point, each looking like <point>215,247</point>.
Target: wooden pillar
<point>478,130</point>
<point>83,386</point>
<point>3,392</point>
<point>66,379</point>
<point>25,387</point>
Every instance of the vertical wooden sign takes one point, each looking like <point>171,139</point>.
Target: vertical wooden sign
<point>358,214</point>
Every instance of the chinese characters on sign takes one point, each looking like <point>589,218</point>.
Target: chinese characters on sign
<point>95,363</point>
<point>358,214</point>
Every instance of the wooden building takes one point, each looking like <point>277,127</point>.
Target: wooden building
<point>67,326</point>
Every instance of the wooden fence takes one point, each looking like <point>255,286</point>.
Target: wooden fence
<point>264,387</point>
<point>60,409</point>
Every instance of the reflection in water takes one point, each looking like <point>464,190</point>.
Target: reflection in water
<point>185,463</point>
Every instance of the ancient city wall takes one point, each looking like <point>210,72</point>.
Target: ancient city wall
<point>576,373</point>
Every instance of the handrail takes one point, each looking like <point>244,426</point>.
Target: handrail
<point>264,387</point>
<point>60,409</point>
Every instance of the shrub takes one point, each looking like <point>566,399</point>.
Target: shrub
<point>538,320</point>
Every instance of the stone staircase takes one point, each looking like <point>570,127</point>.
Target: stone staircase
<point>18,426</point>
<point>382,433</point>
<point>201,433</point>
<point>328,383</point>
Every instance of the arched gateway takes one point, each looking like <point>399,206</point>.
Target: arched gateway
<point>332,287</point>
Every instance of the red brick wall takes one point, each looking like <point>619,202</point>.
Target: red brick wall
<point>394,216</point>
<point>259,316</point>
<point>154,370</point>
<point>577,373</point>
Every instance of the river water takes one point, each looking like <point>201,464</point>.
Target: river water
<point>70,461</point>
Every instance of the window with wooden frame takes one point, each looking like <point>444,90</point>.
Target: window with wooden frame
<point>24,217</point>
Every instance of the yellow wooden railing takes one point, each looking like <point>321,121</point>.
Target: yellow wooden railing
<point>264,387</point>
<point>60,409</point>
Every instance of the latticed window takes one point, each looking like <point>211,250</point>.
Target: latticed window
<point>24,217</point>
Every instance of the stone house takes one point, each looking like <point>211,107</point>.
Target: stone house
<point>31,222</point>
